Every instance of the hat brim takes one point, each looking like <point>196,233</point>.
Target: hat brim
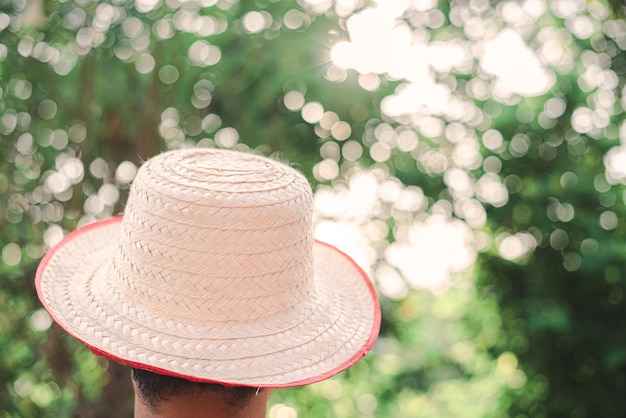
<point>330,331</point>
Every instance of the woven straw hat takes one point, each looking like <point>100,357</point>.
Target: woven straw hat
<point>213,275</point>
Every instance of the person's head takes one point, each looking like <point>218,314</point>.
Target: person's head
<point>212,275</point>
<point>153,390</point>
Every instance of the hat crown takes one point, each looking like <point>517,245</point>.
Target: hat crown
<point>227,233</point>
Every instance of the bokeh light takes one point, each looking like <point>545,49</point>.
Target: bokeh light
<point>469,155</point>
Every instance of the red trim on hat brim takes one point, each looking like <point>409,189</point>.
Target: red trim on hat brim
<point>99,352</point>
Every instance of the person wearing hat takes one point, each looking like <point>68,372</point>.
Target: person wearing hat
<point>211,287</point>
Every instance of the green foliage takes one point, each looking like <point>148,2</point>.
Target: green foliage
<point>88,90</point>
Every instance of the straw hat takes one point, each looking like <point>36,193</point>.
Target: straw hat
<point>213,275</point>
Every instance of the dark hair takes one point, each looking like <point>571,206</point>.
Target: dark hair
<point>154,388</point>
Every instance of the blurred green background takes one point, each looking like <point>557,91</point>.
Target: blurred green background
<point>471,155</point>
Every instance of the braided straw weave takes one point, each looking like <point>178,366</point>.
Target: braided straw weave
<point>212,274</point>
